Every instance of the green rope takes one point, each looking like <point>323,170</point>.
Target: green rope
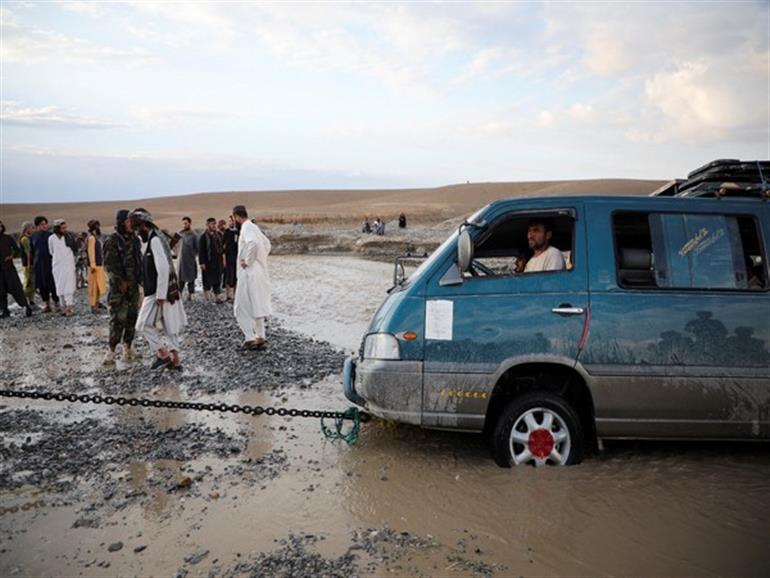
<point>351,436</point>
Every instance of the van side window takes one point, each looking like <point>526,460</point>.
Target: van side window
<point>688,251</point>
<point>504,248</point>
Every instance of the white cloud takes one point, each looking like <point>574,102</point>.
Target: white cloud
<point>88,8</point>
<point>28,45</point>
<point>545,118</point>
<point>699,102</point>
<point>152,117</point>
<point>582,112</point>
<point>605,53</point>
<point>49,117</point>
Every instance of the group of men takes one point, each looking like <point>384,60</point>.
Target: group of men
<point>215,252</point>
<point>145,288</point>
<point>48,265</point>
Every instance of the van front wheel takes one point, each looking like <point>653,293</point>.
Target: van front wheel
<point>538,428</point>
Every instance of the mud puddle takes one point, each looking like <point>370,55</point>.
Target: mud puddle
<point>404,501</point>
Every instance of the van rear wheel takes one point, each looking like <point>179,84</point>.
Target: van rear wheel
<point>538,428</point>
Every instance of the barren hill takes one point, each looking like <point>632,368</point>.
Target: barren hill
<point>317,206</point>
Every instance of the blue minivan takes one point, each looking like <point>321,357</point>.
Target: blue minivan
<point>651,320</point>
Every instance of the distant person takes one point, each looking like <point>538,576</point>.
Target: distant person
<point>97,283</point>
<point>366,226</point>
<point>210,257</point>
<point>230,246</point>
<point>252,295</point>
<point>42,265</point>
<point>380,229</point>
<point>123,263</point>
<point>544,256</point>
<point>9,278</point>
<point>402,221</point>
<point>81,259</point>
<point>25,244</point>
<point>63,248</point>
<point>162,316</point>
<point>187,261</point>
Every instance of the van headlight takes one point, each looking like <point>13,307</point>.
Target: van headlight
<point>381,346</point>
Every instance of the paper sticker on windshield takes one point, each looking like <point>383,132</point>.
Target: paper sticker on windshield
<point>439,315</point>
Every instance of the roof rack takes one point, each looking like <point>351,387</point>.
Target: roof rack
<point>722,178</point>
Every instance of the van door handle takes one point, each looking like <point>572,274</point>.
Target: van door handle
<point>568,310</point>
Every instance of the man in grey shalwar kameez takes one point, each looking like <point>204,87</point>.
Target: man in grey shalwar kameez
<point>162,317</point>
<point>187,259</point>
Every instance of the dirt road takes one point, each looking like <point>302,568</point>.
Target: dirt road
<point>129,491</point>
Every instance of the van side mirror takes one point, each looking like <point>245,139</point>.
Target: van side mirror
<point>464,251</point>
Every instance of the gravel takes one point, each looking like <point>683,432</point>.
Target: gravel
<point>211,354</point>
<point>63,453</point>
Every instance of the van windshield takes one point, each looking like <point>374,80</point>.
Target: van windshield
<point>428,263</point>
<point>452,239</point>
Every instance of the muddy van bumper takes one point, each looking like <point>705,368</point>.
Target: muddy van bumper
<point>388,389</point>
<point>349,382</point>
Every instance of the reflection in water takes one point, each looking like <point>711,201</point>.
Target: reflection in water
<point>259,435</point>
<point>143,474</point>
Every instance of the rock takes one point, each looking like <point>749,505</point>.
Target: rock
<point>184,483</point>
<point>140,548</point>
<point>196,557</point>
<point>115,547</point>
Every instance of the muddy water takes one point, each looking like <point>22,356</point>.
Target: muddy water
<point>642,509</point>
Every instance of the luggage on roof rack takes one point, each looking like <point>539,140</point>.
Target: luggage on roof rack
<point>722,178</point>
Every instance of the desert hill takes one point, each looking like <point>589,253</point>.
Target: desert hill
<point>424,205</point>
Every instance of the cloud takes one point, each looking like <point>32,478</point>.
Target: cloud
<point>12,114</point>
<point>398,45</point>
<point>604,53</point>
<point>169,118</point>
<point>582,112</point>
<point>28,45</point>
<point>699,102</point>
<point>89,8</point>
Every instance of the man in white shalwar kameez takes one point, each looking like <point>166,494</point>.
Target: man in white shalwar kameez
<point>162,316</point>
<point>252,292</point>
<point>63,266</point>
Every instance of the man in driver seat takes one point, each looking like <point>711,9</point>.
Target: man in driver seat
<point>544,256</point>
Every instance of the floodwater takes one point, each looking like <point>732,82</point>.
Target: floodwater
<point>641,509</point>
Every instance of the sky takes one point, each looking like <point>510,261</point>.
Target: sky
<point>123,100</point>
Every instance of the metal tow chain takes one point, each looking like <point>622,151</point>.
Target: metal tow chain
<point>352,413</point>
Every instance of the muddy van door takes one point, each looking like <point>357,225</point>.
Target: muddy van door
<point>680,319</point>
<point>494,317</point>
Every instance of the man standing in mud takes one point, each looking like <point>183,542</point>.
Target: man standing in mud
<point>188,251</point>
<point>25,244</point>
<point>122,261</point>
<point>252,295</point>
<point>230,245</point>
<point>62,246</point>
<point>43,265</point>
<point>210,258</point>
<point>95,253</point>
<point>9,279</point>
<point>162,317</point>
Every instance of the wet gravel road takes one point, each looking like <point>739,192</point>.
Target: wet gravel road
<point>107,491</point>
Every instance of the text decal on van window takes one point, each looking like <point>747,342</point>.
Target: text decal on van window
<point>701,241</point>
<point>693,251</point>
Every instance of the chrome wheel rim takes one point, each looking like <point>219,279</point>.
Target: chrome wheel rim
<point>540,436</point>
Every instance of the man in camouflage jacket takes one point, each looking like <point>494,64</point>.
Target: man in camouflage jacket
<point>122,260</point>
